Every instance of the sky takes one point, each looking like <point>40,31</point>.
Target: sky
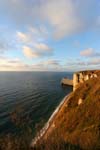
<point>49,35</point>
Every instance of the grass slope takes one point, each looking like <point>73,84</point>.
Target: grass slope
<point>77,124</point>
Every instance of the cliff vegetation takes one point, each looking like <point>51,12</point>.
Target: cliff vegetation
<point>77,125</point>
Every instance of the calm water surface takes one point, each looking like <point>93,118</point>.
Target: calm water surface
<point>37,94</point>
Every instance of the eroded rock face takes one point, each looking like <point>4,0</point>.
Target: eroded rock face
<point>75,81</point>
<point>66,81</point>
<point>82,76</point>
<point>80,101</point>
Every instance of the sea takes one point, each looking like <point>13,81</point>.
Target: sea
<point>30,97</point>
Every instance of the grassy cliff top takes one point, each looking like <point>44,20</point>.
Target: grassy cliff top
<point>78,125</point>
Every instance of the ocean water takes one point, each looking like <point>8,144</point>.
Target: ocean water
<point>35,95</point>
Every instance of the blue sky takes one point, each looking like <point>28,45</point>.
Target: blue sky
<point>49,35</point>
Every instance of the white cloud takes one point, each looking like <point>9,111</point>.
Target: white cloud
<point>42,46</point>
<point>79,64</point>
<point>40,31</point>
<point>12,64</point>
<point>6,45</point>
<point>49,65</point>
<point>52,62</point>
<point>61,17</point>
<point>87,52</point>
<point>23,37</point>
<point>28,52</point>
<point>37,21</point>
<point>15,64</point>
<point>94,61</point>
<point>32,35</point>
<point>31,47</point>
<point>31,43</point>
<point>90,52</point>
<point>39,50</point>
<point>2,47</point>
<point>7,41</point>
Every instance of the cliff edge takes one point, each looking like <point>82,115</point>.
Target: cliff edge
<point>77,124</point>
<point>80,77</point>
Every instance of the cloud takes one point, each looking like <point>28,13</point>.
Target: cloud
<point>8,41</point>
<point>16,64</point>
<point>43,47</point>
<point>30,44</point>
<point>12,64</point>
<point>23,37</point>
<point>39,50</point>
<point>94,61</point>
<point>64,17</point>
<point>90,52</point>
<point>49,65</point>
<point>39,22</point>
<point>3,47</point>
<point>52,62</point>
<point>78,64</point>
<point>61,17</point>
<point>32,35</point>
<point>28,52</point>
<point>39,31</point>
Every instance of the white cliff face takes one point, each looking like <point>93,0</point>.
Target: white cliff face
<point>75,81</point>
<point>80,77</point>
<point>80,101</point>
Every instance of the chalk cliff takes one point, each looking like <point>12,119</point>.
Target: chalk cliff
<point>80,77</point>
<point>76,124</point>
<point>66,81</point>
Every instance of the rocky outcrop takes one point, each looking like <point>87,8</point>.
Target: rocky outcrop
<point>82,76</point>
<point>66,81</point>
<point>80,101</point>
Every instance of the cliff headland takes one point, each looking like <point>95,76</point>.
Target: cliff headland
<point>77,123</point>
